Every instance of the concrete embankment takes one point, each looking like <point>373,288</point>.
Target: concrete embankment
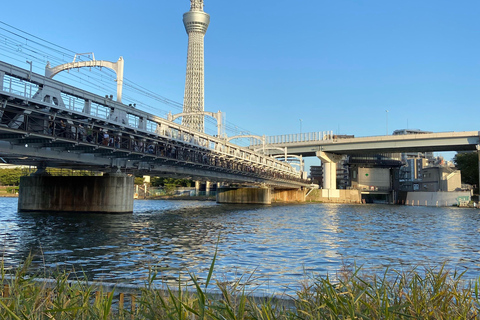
<point>435,199</point>
<point>334,196</point>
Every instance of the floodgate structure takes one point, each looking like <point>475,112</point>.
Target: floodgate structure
<point>382,152</point>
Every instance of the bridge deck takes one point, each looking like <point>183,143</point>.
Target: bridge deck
<point>58,125</point>
<point>425,142</point>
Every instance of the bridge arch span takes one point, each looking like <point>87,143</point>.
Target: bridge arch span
<point>115,66</point>
<point>261,139</point>
<point>215,115</point>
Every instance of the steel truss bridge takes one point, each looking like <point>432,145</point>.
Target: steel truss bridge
<point>44,122</point>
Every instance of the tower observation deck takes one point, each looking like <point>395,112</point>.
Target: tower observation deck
<point>196,22</point>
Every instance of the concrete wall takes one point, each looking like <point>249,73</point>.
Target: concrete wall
<point>437,199</point>
<point>378,177</point>
<point>441,179</point>
<point>294,195</point>
<point>454,181</point>
<point>107,194</point>
<point>244,195</point>
<point>344,196</point>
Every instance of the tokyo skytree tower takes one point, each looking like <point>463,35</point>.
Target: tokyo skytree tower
<point>196,23</point>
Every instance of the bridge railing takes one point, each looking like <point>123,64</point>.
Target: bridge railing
<point>55,96</point>
<point>19,87</point>
<point>74,135</point>
<point>296,137</point>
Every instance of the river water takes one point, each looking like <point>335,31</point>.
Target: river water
<point>282,244</point>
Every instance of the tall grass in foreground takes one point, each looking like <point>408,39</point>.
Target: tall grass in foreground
<point>425,294</point>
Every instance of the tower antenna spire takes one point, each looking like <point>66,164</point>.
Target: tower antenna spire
<point>196,23</point>
<point>196,5</point>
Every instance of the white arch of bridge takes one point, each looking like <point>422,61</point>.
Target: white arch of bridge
<point>215,115</point>
<point>115,66</point>
<point>240,136</point>
<point>270,147</point>
<point>286,158</point>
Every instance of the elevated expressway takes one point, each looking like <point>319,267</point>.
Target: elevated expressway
<point>329,148</point>
<point>44,122</point>
<point>435,142</point>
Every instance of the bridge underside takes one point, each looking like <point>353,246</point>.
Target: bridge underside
<point>40,152</point>
<point>35,135</point>
<point>330,151</point>
<point>463,144</point>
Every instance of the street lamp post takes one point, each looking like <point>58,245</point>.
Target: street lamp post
<point>300,125</point>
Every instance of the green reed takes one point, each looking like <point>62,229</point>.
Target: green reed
<point>429,293</point>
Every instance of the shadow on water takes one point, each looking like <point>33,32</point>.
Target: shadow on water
<point>282,243</point>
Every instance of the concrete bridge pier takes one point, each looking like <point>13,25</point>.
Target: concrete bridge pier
<point>244,195</point>
<point>197,187</point>
<point>207,188</point>
<point>478,153</point>
<point>259,195</point>
<point>329,164</point>
<point>289,195</point>
<point>110,193</point>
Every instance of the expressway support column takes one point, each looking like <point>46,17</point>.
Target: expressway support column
<point>110,193</point>
<point>329,164</point>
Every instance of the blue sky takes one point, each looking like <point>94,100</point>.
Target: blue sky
<point>337,65</point>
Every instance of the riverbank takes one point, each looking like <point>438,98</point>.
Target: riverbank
<point>418,294</point>
<point>8,191</point>
<point>8,195</point>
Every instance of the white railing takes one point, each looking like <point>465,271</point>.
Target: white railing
<point>296,137</point>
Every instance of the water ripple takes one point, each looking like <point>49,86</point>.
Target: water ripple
<point>280,244</point>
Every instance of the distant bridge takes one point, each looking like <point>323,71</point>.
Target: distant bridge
<point>330,148</point>
<point>309,144</point>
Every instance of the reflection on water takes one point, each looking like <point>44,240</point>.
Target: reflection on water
<point>281,243</point>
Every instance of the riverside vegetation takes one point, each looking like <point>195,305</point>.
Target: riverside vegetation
<point>428,293</point>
